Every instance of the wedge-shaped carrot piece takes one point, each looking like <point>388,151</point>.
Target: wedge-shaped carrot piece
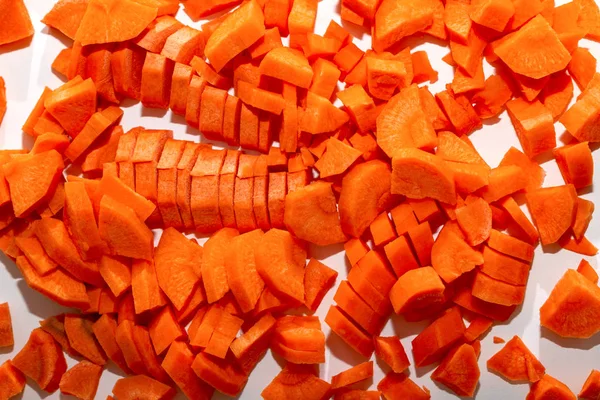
<point>299,339</point>
<point>318,280</point>
<point>355,337</point>
<point>580,118</point>
<point>81,221</point>
<point>326,76</point>
<point>509,245</point>
<point>96,126</point>
<point>142,341</point>
<point>417,288</point>
<point>223,375</point>
<point>66,15</point>
<point>18,22</point>
<point>588,271</point>
<point>391,352</point>
<point>337,158</point>
<point>516,363</point>
<point>417,174</point>
<point>127,62</point>
<point>250,347</point>
<point>36,255</point>
<point>164,330</point>
<point>403,123</point>
<point>79,331</point>
<point>434,341</point>
<point>105,329</point>
<point>504,268</point>
<point>576,164</point>
<point>459,111</point>
<point>116,189</point>
<point>72,106</point>
<point>102,151</point>
<point>134,387</point>
<point>124,336</point>
<point>214,272</point>
<point>259,98</point>
<point>591,387</point>
<point>546,53</point>
<point>32,180</point>
<point>475,220</point>
<point>6,330</point>
<point>497,292</point>
<point>54,237</point>
<point>534,125</point>
<point>320,115</point>
<point>360,106</point>
<point>296,381</point>
<point>396,20</point>
<point>156,34</point>
<point>242,278</point>
<point>365,194</point>
<point>518,216</point>
<point>123,231</point>
<point>81,380</point>
<point>57,285</point>
<point>557,94</point>
<point>13,380</point>
<point>573,294</point>
<point>469,178</point>
<point>147,294</point>
<point>125,21</point>
<point>183,45</point>
<point>174,260</point>
<point>531,169</point>
<point>280,261</point>
<point>493,14</point>
<point>398,385</point>
<point>167,183</point>
<point>288,65</point>
<point>478,326</point>
<point>178,364</point>
<point>583,217</point>
<point>452,148</point>
<point>353,375</point>
<point>311,215</point>
<point>359,311</point>
<point>459,371</point>
<point>235,34</point>
<point>562,200</point>
<point>582,67</point>
<point>41,360</point>
<point>504,181</point>
<point>549,387</point>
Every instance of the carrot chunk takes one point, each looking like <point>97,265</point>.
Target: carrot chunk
<point>562,200</point>
<point>133,387</point>
<point>6,330</point>
<point>549,387</point>
<point>435,340</point>
<point>178,364</point>
<point>81,380</point>
<point>18,23</point>
<point>13,380</point>
<point>576,164</point>
<point>534,125</point>
<point>223,375</point>
<point>318,280</point>
<point>516,363</point>
<point>396,385</point>
<point>349,332</point>
<point>288,65</point>
<point>296,381</point>
<point>459,371</point>
<point>353,375</point>
<point>591,387</point>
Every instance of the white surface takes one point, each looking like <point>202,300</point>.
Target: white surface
<point>27,70</point>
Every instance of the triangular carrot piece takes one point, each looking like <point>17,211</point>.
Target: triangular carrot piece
<point>16,23</point>
<point>516,363</point>
<point>66,16</point>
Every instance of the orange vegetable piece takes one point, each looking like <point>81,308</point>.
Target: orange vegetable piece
<point>260,99</point>
<point>511,246</point>
<point>417,175</point>
<point>478,326</point>
<point>511,206</point>
<point>382,230</point>
<point>516,363</point>
<point>237,32</point>
<point>318,280</point>
<point>452,148</point>
<point>144,286</point>
<point>81,338</point>
<point>6,330</point>
<point>496,291</point>
<point>297,381</point>
<point>401,386</point>
<point>588,271</point>
<point>493,14</point>
<point>394,21</point>
<point>299,339</point>
<point>576,164</point>
<point>115,188</point>
<point>549,387</point>
<point>178,364</point>
<point>223,375</point>
<point>423,71</point>
<point>183,45</point>
<point>213,266</point>
<point>355,250</point>
<point>81,380</point>
<point>2,99</point>
<point>153,39</point>
<point>534,125</point>
<point>465,299</point>
<point>288,65</point>
<point>532,169</point>
<point>391,351</point>
<point>573,294</point>
<point>157,73</point>
<point>451,256</point>
<point>475,220</point>
<point>416,289</point>
<point>127,62</point>
<point>353,375</point>
<point>562,200</point>
<point>66,15</point>
<point>134,387</point>
<point>41,360</point>
<point>434,341</point>
<point>124,336</point>
<point>13,380</point>
<point>582,67</point>
<point>490,101</point>
<point>459,111</point>
<point>583,217</point>
<point>385,76</point>
<point>250,347</point>
<point>17,22</point>
<point>459,371</point>
<point>126,20</point>
<point>151,362</point>
<point>591,387</point>
<point>72,105</point>
<point>358,310</point>
<point>320,116</point>
<point>349,332</point>
<point>105,329</point>
<point>504,181</point>
<point>337,158</point>
<point>401,256</point>
<point>36,255</point>
<point>504,268</point>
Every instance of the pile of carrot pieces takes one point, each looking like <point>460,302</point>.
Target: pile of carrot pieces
<point>430,230</point>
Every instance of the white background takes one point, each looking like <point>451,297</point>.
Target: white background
<point>26,70</point>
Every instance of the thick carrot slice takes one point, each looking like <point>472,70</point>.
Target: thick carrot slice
<point>41,360</point>
<point>153,39</point>
<point>178,364</point>
<point>459,111</point>
<point>125,21</point>
<point>144,284</point>
<point>134,387</point>
<point>183,45</point>
<point>452,148</point>
<point>157,74</point>
<point>299,339</point>
<point>490,101</point>
<point>13,380</point>
<point>105,329</point>
<point>576,164</point>
<point>311,215</point>
<point>81,337</point>
<point>321,116</point>
<point>562,200</point>
<point>497,292</point>
<point>124,336</point>
<point>72,105</point>
<point>511,206</point>
<point>127,63</point>
<point>511,246</point>
<point>223,375</point>
<point>296,381</point>
<point>391,351</point>
<point>591,387</point>
<point>532,169</point>
<point>549,386</point>
<point>143,343</point>
<point>6,330</point>
<point>214,272</point>
<point>250,347</point>
<point>459,371</point>
<point>534,125</point>
<point>492,14</point>
<point>81,380</point>
<point>236,33</point>
<point>475,220</point>
<point>358,310</point>
<point>355,250</point>
<point>435,340</point>
<point>36,255</point>
<point>349,332</point>
<point>288,65</point>
<point>478,326</point>
<point>66,15</point>
<point>402,386</point>
<point>417,288</point>
<point>516,363</point>
<point>353,375</point>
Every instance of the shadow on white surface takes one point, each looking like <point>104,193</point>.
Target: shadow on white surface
<point>15,46</point>
<point>570,343</point>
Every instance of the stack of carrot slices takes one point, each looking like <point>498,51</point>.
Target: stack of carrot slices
<point>430,230</point>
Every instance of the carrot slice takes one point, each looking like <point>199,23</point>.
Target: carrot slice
<point>36,255</point>
<point>81,380</point>
<point>311,215</point>
<point>576,164</point>
<point>18,22</point>
<point>144,286</point>
<point>358,310</point>
<point>6,330</point>
<point>127,62</point>
<point>416,289</point>
<point>157,74</point>
<point>298,381</point>
<point>549,386</point>
<point>349,332</point>
<point>459,371</point>
<point>143,344</point>
<point>133,387</point>
<point>497,292</point>
<point>223,375</point>
<point>591,387</point>
<point>41,360</point>
<point>105,329</point>
<point>72,105</point>
<point>563,201</point>
<point>153,39</point>
<point>66,15</point>
<point>401,385</point>
<point>178,364</point>
<point>393,21</point>
<point>13,380</point>
<point>126,21</point>
<point>250,347</point>
<point>451,256</point>
<point>81,337</point>
<point>353,375</point>
<point>434,341</point>
<point>475,220</point>
<point>516,363</point>
<point>534,125</point>
<point>214,273</point>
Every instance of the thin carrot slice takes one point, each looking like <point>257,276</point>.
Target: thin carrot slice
<point>214,272</point>
<point>81,380</point>
<point>133,387</point>
<point>451,256</point>
<point>516,363</point>
<point>18,22</point>
<point>562,200</point>
<point>178,364</point>
<point>223,375</point>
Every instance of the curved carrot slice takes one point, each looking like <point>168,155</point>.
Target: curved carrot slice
<point>143,343</point>
<point>178,364</point>
<point>562,200</point>
<point>141,386</point>
<point>516,363</point>
<point>214,273</point>
<point>296,381</point>
<point>41,360</point>
<point>531,169</point>
<point>105,330</point>
<point>459,371</point>
<point>126,20</point>
<point>81,380</point>
<point>18,23</point>
<point>417,288</point>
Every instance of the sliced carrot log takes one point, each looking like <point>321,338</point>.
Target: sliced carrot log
<point>402,386</point>
<point>576,164</point>
<point>435,340</point>
<point>311,215</point>
<point>81,380</point>
<point>134,387</point>
<point>223,375</point>
<point>459,371</point>
<point>127,63</point>
<point>236,33</point>
<point>41,360</point>
<point>516,363</point>
<point>417,288</point>
<point>562,200</point>
<point>260,202</point>
<point>180,88</point>
<point>178,364</point>
<point>157,74</point>
<point>98,68</point>
<point>243,204</point>
<point>348,332</point>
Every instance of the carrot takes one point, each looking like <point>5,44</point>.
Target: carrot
<point>13,380</point>
<point>460,113</point>
<point>296,381</point>
<point>127,20</point>
<point>98,68</point>
<point>351,376</point>
<point>355,250</point>
<point>223,375</point>
<point>405,295</point>
<point>475,220</point>
<point>311,215</point>
<point>41,360</point>
<point>582,67</point>
<point>349,332</point>
<point>401,115</point>
<point>495,15</point>
<point>320,116</point>
<point>326,75</point>
<point>409,177</point>
<point>516,363</point>
<point>66,15</point>
<point>81,380</point>
<point>513,209</point>
<point>133,387</point>
<point>510,246</point>
<point>117,219</point>
<point>143,344</point>
<point>155,36</point>
<point>98,125</point>
<point>534,125</point>
<point>385,76</point>
<point>394,22</point>
<point>127,63</point>
<point>490,100</point>
<point>72,105</point>
<point>591,387</point>
<point>157,73</point>
<point>199,9</point>
<point>337,158</point>
<point>250,347</point>
<point>452,148</point>
<point>236,33</point>
<point>496,291</point>
<point>124,336</point>
<point>20,23</point>
<point>382,230</point>
<point>588,18</point>
<point>560,199</point>
<point>116,189</point>
<point>360,107</point>
<point>531,168</point>
<point>6,330</point>
<point>549,386</point>
<point>288,65</point>
<point>103,150</point>
<point>588,271</point>
<point>358,310</point>
<point>459,371</point>
<point>183,45</point>
<point>451,256</point>
<point>428,347</point>
<point>34,252</point>
<point>178,364</point>
<point>105,329</point>
<point>457,20</point>
<point>180,88</point>
<point>214,272</point>
<point>390,351</point>
<point>583,216</point>
<point>423,71</point>
<point>81,337</point>
<point>576,164</point>
<point>299,339</point>
<point>318,280</point>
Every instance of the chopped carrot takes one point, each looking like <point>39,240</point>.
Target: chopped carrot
<point>417,288</point>
<point>349,332</point>
<point>429,346</point>
<point>549,386</point>
<point>459,371</point>
<point>353,375</point>
<point>576,164</point>
<point>296,381</point>
<point>81,380</point>
<point>19,25</point>
<point>423,71</point>
<point>451,256</point>
<point>140,385</point>
<point>562,200</point>
<point>496,291</point>
<point>492,14</point>
<point>460,113</point>
<point>13,380</point>
<point>399,384</point>
<point>516,363</point>
<point>318,280</point>
<point>475,220</point>
<point>6,329</point>
<point>591,387</point>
